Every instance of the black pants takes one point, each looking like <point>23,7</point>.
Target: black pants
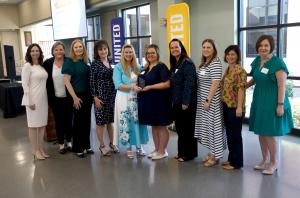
<point>62,111</point>
<point>82,123</point>
<point>233,126</point>
<point>185,127</point>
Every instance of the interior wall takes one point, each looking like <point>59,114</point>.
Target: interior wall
<point>9,18</point>
<point>9,34</point>
<point>11,38</point>
<point>33,11</point>
<point>211,19</point>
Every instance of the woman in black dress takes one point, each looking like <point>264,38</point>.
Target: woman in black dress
<point>183,86</point>
<point>103,91</point>
<point>154,100</point>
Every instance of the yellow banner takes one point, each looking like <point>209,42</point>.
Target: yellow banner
<point>178,24</point>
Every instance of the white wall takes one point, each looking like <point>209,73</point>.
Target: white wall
<point>9,18</point>
<point>211,19</point>
<point>11,38</point>
<point>33,11</point>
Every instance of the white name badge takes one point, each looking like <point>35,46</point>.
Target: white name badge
<point>176,70</point>
<point>264,70</point>
<point>142,72</point>
<point>202,72</point>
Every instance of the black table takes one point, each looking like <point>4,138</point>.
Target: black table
<point>11,98</point>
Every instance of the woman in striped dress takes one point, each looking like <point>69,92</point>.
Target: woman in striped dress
<point>209,126</point>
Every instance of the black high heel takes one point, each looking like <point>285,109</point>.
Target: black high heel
<point>114,148</point>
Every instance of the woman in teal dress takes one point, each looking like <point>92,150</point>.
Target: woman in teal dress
<point>270,113</point>
<point>127,130</point>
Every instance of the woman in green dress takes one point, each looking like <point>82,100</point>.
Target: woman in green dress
<point>270,113</point>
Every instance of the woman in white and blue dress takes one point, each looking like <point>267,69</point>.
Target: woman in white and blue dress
<point>127,130</point>
<point>209,124</point>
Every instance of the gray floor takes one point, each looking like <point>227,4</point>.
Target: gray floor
<point>95,176</point>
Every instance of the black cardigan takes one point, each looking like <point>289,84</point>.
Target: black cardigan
<point>48,65</point>
<point>184,83</point>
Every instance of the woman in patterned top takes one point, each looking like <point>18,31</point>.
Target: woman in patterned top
<point>209,128</point>
<point>233,98</point>
<point>103,92</point>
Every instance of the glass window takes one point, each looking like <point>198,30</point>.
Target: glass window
<point>137,23</point>
<point>258,12</point>
<point>290,11</point>
<point>145,27</point>
<point>94,34</point>
<point>289,49</point>
<point>90,25</point>
<point>259,17</point>
<point>97,27</point>
<point>130,22</point>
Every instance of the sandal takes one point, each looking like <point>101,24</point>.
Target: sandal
<point>140,152</point>
<point>207,158</point>
<point>211,162</point>
<point>130,154</point>
<point>228,167</point>
<point>103,151</point>
<point>114,148</point>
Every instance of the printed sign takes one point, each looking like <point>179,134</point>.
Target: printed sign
<point>178,24</point>
<point>117,34</point>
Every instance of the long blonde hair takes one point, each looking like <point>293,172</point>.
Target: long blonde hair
<point>84,55</point>
<point>133,61</point>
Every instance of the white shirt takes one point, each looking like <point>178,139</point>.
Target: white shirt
<point>58,81</point>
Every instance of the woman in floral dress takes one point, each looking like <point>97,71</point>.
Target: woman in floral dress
<point>127,130</point>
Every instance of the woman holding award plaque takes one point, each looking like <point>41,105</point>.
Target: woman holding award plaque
<point>127,130</point>
<point>154,100</point>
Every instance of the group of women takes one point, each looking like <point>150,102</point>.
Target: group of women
<point>129,97</point>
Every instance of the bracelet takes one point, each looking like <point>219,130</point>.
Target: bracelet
<point>280,103</point>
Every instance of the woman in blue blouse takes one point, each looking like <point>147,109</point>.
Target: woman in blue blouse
<point>76,76</point>
<point>127,131</point>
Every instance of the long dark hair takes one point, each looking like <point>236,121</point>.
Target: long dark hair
<point>28,57</point>
<point>203,58</point>
<point>172,58</point>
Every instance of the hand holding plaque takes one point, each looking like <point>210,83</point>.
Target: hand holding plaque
<point>141,82</point>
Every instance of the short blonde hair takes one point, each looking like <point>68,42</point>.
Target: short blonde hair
<point>84,55</point>
<point>133,61</point>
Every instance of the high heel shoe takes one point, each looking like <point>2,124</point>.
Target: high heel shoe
<point>38,156</point>
<point>270,170</point>
<point>114,148</point>
<point>260,166</point>
<point>44,154</point>
<point>103,151</point>
<point>140,152</point>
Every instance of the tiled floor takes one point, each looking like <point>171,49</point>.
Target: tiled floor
<point>117,176</point>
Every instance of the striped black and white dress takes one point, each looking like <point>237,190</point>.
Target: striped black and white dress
<point>209,126</point>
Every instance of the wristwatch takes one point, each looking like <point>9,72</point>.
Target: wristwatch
<point>280,103</point>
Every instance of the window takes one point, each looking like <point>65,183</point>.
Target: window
<point>94,34</point>
<point>137,25</point>
<point>279,18</point>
